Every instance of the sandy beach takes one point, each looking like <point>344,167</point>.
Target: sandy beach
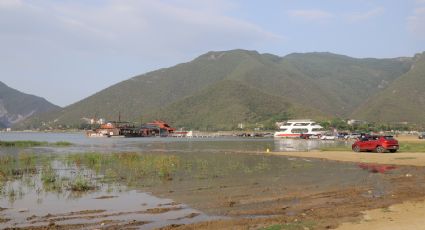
<point>411,159</point>
<point>407,215</point>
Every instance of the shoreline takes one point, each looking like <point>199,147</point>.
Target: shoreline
<point>405,158</point>
<point>405,215</point>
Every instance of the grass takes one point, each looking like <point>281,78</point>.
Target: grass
<point>129,167</point>
<point>412,147</point>
<point>61,143</point>
<point>22,143</point>
<point>16,166</point>
<point>26,144</point>
<point>80,184</point>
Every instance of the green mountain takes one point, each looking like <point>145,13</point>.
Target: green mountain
<point>344,81</point>
<point>402,100</point>
<point>16,106</point>
<point>218,90</point>
<point>228,103</point>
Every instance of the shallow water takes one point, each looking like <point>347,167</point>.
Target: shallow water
<point>236,144</point>
<point>191,172</point>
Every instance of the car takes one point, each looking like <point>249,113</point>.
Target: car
<point>328,137</point>
<point>379,144</point>
<point>421,135</point>
<point>353,136</point>
<point>342,135</point>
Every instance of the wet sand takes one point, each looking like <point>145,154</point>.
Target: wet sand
<point>411,159</point>
<point>406,215</point>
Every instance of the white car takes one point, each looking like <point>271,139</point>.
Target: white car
<point>328,137</point>
<point>353,136</point>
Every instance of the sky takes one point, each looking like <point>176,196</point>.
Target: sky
<point>67,50</point>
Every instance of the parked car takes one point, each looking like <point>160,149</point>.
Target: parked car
<point>328,137</point>
<point>421,135</point>
<point>353,136</point>
<point>379,144</point>
<point>342,135</point>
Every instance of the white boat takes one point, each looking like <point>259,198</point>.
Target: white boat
<point>294,128</point>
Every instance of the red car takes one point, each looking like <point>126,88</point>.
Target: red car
<point>379,144</point>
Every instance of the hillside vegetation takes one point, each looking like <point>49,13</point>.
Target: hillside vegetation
<point>403,100</point>
<point>218,90</point>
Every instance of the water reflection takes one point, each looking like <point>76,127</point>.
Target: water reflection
<point>82,143</point>
<point>289,145</point>
<point>36,191</point>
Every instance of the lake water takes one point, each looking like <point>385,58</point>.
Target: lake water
<point>237,144</point>
<point>155,181</point>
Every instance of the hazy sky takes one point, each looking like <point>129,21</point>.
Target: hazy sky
<point>66,50</point>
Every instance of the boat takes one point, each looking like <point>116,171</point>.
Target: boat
<point>298,128</point>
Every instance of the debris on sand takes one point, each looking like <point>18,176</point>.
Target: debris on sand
<point>4,220</point>
<point>190,216</point>
<point>161,210</point>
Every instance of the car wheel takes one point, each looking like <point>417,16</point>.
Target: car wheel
<point>356,149</point>
<point>380,149</point>
<point>393,150</point>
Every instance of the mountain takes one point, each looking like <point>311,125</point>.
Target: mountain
<point>16,106</point>
<point>220,89</point>
<point>402,100</point>
<point>344,81</point>
<point>228,103</point>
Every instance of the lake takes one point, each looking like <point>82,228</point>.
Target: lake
<point>154,182</point>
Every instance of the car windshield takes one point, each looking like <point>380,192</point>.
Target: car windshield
<point>389,137</point>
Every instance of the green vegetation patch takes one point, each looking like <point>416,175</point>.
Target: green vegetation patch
<point>26,144</point>
<point>80,184</point>
<point>412,147</point>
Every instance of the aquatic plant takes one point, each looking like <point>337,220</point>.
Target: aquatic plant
<point>62,143</point>
<point>129,167</point>
<point>26,144</point>
<point>48,174</point>
<point>80,184</point>
<point>16,166</point>
<point>22,143</point>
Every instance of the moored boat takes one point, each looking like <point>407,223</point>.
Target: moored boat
<point>298,128</point>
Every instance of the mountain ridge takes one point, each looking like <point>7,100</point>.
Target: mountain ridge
<point>16,106</point>
<point>332,85</point>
